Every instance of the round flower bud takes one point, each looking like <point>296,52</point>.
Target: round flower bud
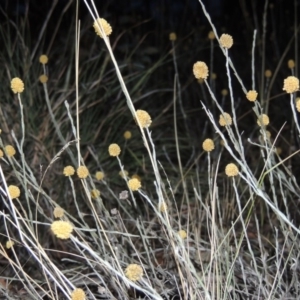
<point>9,150</point>
<point>200,70</point>
<point>134,272</point>
<point>17,85</point>
<point>144,118</point>
<point>127,135</point>
<point>224,92</point>
<point>82,172</point>
<point>208,145</point>
<point>43,78</point>
<point>172,36</point>
<point>99,175</point>
<point>95,194</point>
<point>134,184</point>
<point>14,191</point>
<point>251,95</point>
<point>291,64</point>
<point>58,212</point>
<point>114,150</point>
<point>163,207</point>
<point>124,173</point>
<point>68,171</point>
<point>43,59</point>
<point>107,30</point>
<point>9,244</point>
<point>225,119</point>
<point>268,73</point>
<point>1,153</point>
<point>182,234</point>
<point>231,170</point>
<point>226,41</point>
<point>291,84</point>
<point>211,35</point>
<point>78,294</point>
<point>62,229</point>
<point>298,104</point>
<point>263,119</point>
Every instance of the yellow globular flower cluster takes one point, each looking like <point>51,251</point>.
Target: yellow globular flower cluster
<point>43,59</point>
<point>14,191</point>
<point>298,104</point>
<point>224,92</point>
<point>123,173</point>
<point>78,294</point>
<point>182,234</point>
<point>17,85</point>
<point>226,41</point>
<point>114,150</point>
<point>252,95</point>
<point>107,30</point>
<point>291,84</point>
<point>62,229</point>
<point>134,272</point>
<point>200,70</point>
<point>134,184</point>
<point>9,244</point>
<point>58,212</point>
<point>95,194</point>
<point>99,175</point>
<point>9,150</point>
<point>263,119</point>
<point>1,153</point>
<point>143,118</point>
<point>211,35</point>
<point>172,36</point>
<point>225,119</point>
<point>69,171</point>
<point>291,64</point>
<point>231,170</point>
<point>43,78</point>
<point>268,73</point>
<point>208,145</point>
<point>127,135</point>
<point>163,207</point>
<point>82,172</point>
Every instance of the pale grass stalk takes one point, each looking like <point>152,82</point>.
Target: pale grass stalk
<point>253,60</point>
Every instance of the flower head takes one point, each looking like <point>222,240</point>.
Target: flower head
<point>9,244</point>
<point>268,73</point>
<point>225,119</point>
<point>224,92</point>
<point>58,212</point>
<point>162,207</point>
<point>69,171</point>
<point>263,119</point>
<point>127,135</point>
<point>17,85</point>
<point>107,30</point>
<point>208,145</point>
<point>211,35</point>
<point>78,294</point>
<point>134,272</point>
<point>251,95</point>
<point>298,104</point>
<point>134,184</point>
<point>123,173</point>
<point>1,153</point>
<point>291,64</point>
<point>172,36</point>
<point>226,41</point>
<point>231,170</point>
<point>291,84</point>
<point>114,150</point>
<point>182,234</point>
<point>9,150</point>
<point>82,172</point>
<point>99,175</point>
<point>43,78</point>
<point>143,118</point>
<point>62,229</point>
<point>137,177</point>
<point>43,59</point>
<point>95,194</point>
<point>200,70</point>
<point>14,191</point>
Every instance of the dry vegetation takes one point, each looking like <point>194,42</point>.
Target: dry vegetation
<point>99,202</point>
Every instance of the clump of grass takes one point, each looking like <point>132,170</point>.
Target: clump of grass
<point>184,236</point>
